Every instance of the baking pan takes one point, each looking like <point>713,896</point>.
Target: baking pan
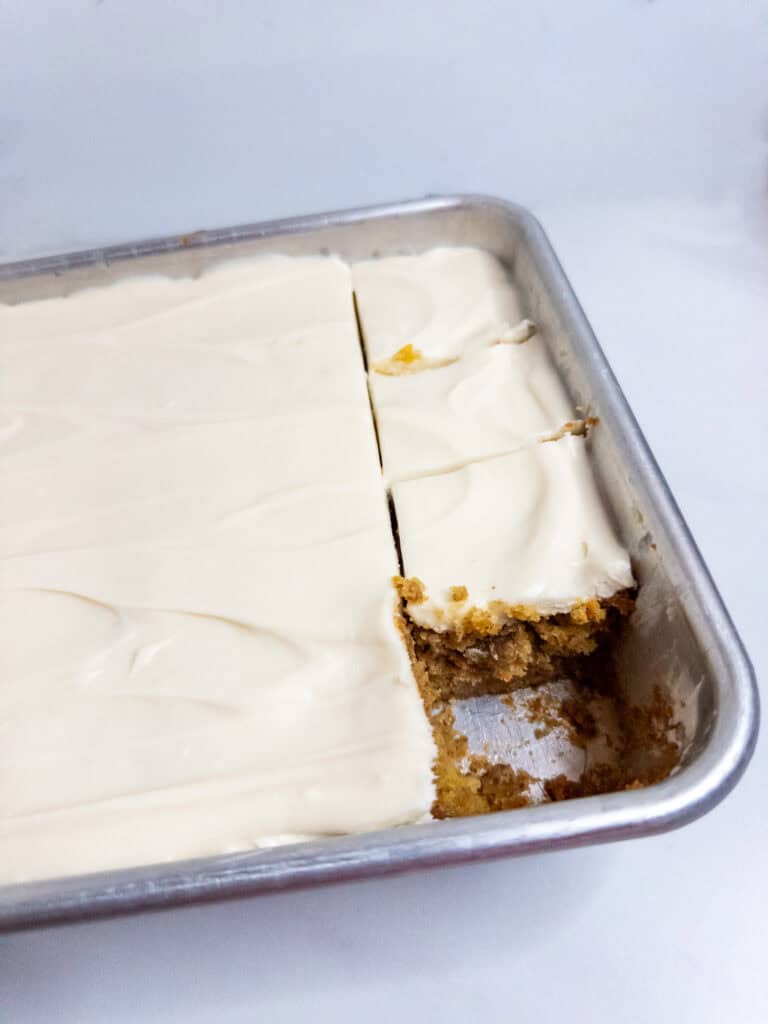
<point>680,635</point>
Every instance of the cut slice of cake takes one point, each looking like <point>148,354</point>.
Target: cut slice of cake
<point>512,573</point>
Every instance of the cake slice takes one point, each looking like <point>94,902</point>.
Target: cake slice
<point>512,573</point>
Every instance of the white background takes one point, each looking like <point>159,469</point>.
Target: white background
<point>638,132</point>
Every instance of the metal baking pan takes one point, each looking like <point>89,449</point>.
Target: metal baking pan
<point>681,633</point>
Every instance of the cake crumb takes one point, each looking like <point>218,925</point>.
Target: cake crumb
<point>576,428</point>
<point>407,355</point>
<point>405,360</point>
<point>579,720</point>
<point>502,787</point>
<point>458,594</point>
<point>587,611</point>
<point>541,712</point>
<point>191,237</point>
<point>410,589</point>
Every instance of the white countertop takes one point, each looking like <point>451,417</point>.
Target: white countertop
<point>638,132</point>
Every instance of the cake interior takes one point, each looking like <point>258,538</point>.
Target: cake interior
<point>554,676</point>
<point>476,659</point>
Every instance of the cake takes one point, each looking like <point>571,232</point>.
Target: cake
<point>259,530</point>
<point>199,646</point>
<point>511,573</point>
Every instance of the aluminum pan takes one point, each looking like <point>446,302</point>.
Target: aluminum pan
<point>685,630</point>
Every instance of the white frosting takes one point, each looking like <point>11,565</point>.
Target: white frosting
<point>524,528</point>
<point>481,499</point>
<point>488,403</point>
<point>445,303</point>
<point>199,653</point>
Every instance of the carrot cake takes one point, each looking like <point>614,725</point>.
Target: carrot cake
<point>247,563</point>
<point>199,648</point>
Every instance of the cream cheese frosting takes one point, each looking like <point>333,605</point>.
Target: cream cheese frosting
<point>443,304</point>
<point>467,406</point>
<point>488,403</point>
<point>200,650</point>
<point>195,558</point>
<point>527,528</point>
